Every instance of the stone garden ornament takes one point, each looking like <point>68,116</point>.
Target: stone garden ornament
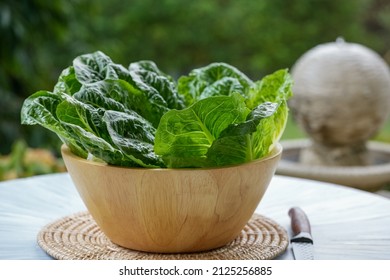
<point>341,100</point>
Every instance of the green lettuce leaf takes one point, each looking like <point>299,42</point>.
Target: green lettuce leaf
<point>67,83</point>
<point>205,82</point>
<point>40,108</point>
<point>94,67</point>
<point>124,139</point>
<point>275,87</point>
<point>249,140</point>
<point>119,95</point>
<point>184,137</point>
<point>84,123</point>
<point>269,131</point>
<point>134,136</point>
<point>147,72</point>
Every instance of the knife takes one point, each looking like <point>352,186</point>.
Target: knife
<point>302,241</point>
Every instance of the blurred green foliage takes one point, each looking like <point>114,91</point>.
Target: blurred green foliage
<point>24,162</point>
<point>40,38</point>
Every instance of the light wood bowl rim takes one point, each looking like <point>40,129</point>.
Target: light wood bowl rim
<point>276,151</point>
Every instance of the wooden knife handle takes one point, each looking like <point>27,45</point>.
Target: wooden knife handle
<point>299,221</point>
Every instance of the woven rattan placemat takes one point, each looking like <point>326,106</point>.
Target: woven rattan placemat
<point>78,237</point>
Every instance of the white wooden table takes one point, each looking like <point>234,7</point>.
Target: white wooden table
<point>346,223</point>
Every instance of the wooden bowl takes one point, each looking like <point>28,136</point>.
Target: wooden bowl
<point>171,210</point>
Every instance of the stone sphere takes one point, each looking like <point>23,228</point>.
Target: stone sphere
<point>341,93</point>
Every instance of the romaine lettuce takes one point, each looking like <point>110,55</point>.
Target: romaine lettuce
<point>141,117</point>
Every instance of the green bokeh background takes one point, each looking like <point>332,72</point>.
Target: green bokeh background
<point>40,38</point>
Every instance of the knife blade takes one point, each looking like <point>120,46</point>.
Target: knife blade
<point>302,241</point>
